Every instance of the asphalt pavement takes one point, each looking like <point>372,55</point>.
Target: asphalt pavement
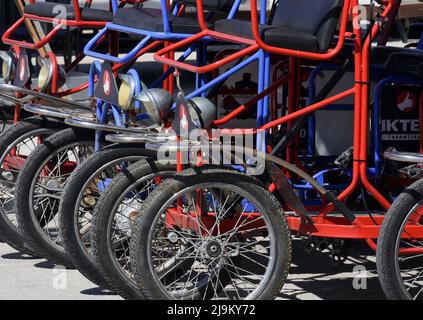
<point>312,277</point>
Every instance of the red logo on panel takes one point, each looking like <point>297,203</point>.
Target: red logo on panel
<point>406,101</point>
<point>106,83</point>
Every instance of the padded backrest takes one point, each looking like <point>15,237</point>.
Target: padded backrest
<point>220,5</point>
<point>317,17</point>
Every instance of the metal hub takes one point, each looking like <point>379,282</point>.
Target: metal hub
<point>7,175</point>
<point>214,249</point>
<point>52,184</point>
<point>173,237</point>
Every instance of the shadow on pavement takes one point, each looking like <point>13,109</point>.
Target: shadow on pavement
<point>18,256</point>
<point>316,277</point>
<point>97,292</point>
<point>46,265</point>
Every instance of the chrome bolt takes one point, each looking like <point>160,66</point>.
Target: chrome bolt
<point>7,175</point>
<point>172,237</point>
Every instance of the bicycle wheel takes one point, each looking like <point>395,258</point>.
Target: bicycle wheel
<point>39,189</point>
<point>230,228</point>
<point>114,217</point>
<point>80,196</point>
<point>399,253</point>
<point>16,144</point>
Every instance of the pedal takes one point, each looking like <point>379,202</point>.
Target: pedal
<point>414,171</point>
<point>314,246</point>
<point>340,249</point>
<point>345,159</point>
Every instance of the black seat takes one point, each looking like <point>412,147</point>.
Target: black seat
<point>133,16</point>
<point>214,5</point>
<point>381,54</point>
<point>236,27</point>
<point>406,62</point>
<point>53,10</point>
<point>146,19</point>
<point>306,25</point>
<point>272,35</point>
<point>151,20</point>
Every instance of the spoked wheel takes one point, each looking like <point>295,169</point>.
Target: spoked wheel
<point>40,186</point>
<point>217,234</point>
<point>400,246</point>
<point>114,218</point>
<point>15,146</point>
<point>81,195</point>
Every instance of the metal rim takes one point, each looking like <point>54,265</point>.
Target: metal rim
<point>81,150</point>
<point>126,269</point>
<point>399,259</point>
<point>90,208</point>
<point>205,259</point>
<point>10,185</point>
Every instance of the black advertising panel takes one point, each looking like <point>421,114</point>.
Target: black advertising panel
<point>399,117</point>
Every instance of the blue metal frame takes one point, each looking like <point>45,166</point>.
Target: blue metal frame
<point>261,56</point>
<point>103,107</point>
<point>166,35</point>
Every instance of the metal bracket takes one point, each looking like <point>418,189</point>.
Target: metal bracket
<point>8,91</point>
<point>287,192</point>
<point>58,112</point>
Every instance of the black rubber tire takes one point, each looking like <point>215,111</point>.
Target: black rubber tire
<point>69,206</point>
<point>28,224</point>
<point>191,177</point>
<point>386,258</point>
<point>9,233</point>
<point>103,212</point>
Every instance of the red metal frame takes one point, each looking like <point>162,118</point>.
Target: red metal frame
<point>77,22</point>
<point>233,114</point>
<point>7,39</point>
<point>332,227</point>
<point>303,54</point>
<point>115,68</point>
<point>252,45</point>
<point>162,55</point>
<point>362,227</point>
<point>325,225</point>
<point>168,83</point>
<point>281,65</point>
